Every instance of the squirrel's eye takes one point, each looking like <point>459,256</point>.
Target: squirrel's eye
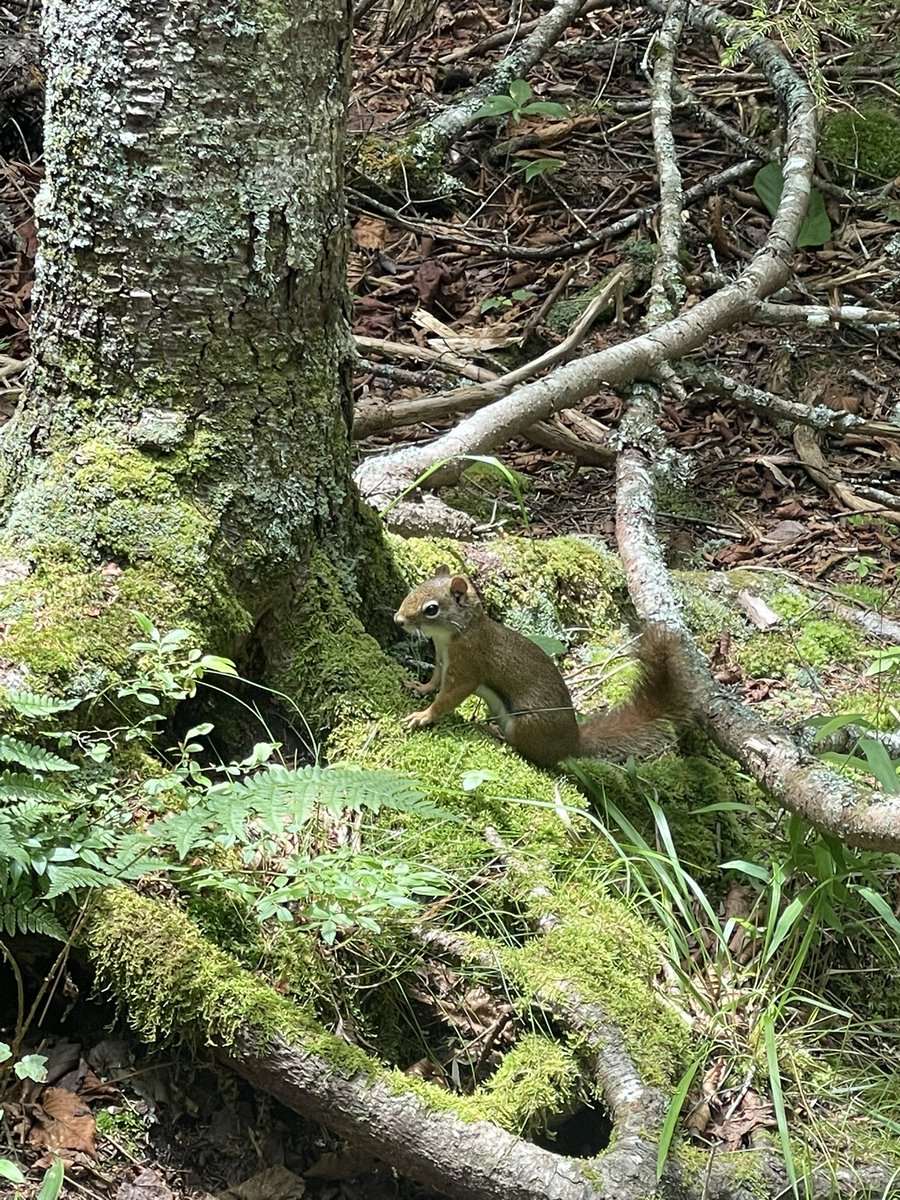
<point>431,609</point>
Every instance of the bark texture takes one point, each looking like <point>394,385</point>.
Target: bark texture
<point>187,401</point>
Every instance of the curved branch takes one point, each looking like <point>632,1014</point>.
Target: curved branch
<point>867,818</point>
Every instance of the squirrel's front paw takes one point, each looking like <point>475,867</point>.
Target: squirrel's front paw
<point>421,689</point>
<point>418,720</point>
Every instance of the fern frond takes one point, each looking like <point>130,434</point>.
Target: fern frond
<point>26,915</point>
<point>37,704</point>
<point>15,785</point>
<point>293,794</point>
<point>34,757</point>
<point>10,846</point>
<point>66,880</point>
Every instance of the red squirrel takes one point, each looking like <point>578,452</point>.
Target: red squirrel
<point>521,685</point>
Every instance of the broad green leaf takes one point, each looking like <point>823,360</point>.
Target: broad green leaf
<point>53,1181</point>
<point>550,646</point>
<point>9,1170</point>
<point>752,869</point>
<point>32,1066</point>
<point>472,780</point>
<point>785,924</point>
<point>495,106</point>
<point>520,92</point>
<point>546,108</point>
<point>778,1098</point>
<point>146,626</point>
<point>768,183</point>
<point>541,166</point>
<point>881,764</point>
<point>881,906</point>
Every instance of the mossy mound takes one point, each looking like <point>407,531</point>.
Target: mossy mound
<point>863,148</point>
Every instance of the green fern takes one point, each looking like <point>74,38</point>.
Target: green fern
<point>28,915</point>
<point>33,757</point>
<point>16,786</point>
<point>35,704</point>
<point>279,800</point>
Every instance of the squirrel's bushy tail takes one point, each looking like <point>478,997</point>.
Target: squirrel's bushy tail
<point>644,723</point>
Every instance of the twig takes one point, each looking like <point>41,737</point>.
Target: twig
<point>667,288</point>
<point>565,248</point>
<point>443,359</point>
<point>503,37</point>
<point>772,407</point>
<point>370,418</point>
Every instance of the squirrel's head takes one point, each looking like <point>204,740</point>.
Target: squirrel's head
<point>445,602</point>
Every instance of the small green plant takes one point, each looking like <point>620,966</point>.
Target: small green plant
<point>488,461</point>
<point>495,302</point>
<point>863,567</point>
<point>33,1067</point>
<point>768,183</point>
<point>517,103</point>
<point>536,168</point>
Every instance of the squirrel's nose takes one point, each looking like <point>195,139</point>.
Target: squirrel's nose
<point>398,618</point>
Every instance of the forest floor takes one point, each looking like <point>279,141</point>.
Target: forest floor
<point>133,1128</point>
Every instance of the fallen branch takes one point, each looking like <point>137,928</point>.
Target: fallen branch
<point>862,817</point>
<point>778,408</point>
<point>373,417</point>
<point>381,478</point>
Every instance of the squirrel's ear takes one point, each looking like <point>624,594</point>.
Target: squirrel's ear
<point>459,587</point>
<point>443,569</point>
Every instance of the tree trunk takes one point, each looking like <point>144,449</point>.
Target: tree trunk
<point>188,411</point>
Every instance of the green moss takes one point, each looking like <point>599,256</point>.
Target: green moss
<point>172,982</point>
<point>411,166</point>
<point>335,669</point>
<point>863,593</point>
<point>603,949</point>
<point>766,656</point>
<point>863,147</point>
<point>707,613</point>
<point>790,604</point>
<point>828,641</point>
<point>124,1125</point>
<point>536,1081</point>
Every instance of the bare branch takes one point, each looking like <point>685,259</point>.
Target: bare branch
<point>778,408</point>
<point>766,272</point>
<point>373,417</point>
<point>667,290</point>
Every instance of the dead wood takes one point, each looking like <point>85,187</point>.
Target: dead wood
<point>868,818</point>
<point>379,479</point>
